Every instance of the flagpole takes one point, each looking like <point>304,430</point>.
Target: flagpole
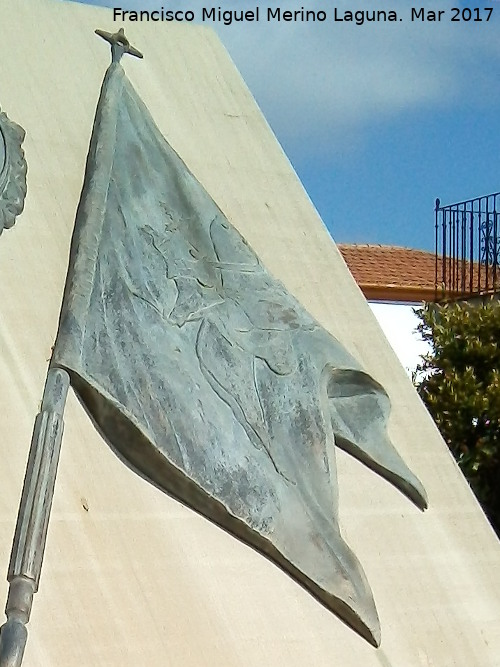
<point>33,517</point>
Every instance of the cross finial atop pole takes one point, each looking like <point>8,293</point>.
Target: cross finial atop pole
<point>119,44</point>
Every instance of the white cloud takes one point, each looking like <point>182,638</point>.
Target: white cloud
<point>340,76</point>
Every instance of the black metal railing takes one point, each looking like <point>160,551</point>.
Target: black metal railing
<point>468,247</point>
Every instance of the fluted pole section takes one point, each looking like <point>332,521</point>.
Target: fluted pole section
<point>33,518</point>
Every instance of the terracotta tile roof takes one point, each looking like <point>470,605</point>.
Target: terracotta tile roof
<point>390,266</point>
<point>393,273</point>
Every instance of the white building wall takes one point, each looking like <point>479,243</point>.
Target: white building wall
<point>399,322</point>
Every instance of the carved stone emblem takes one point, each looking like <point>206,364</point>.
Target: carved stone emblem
<point>12,172</point>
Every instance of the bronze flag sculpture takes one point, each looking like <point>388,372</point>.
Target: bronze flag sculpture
<point>202,372</point>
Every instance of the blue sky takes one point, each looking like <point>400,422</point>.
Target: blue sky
<point>380,119</point>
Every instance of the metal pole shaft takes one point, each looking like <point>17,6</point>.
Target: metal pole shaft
<point>33,517</point>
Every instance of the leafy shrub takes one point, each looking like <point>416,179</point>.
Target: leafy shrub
<point>459,381</point>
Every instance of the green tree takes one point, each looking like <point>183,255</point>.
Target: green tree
<point>459,381</point>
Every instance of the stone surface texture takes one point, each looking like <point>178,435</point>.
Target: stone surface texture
<point>131,576</point>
